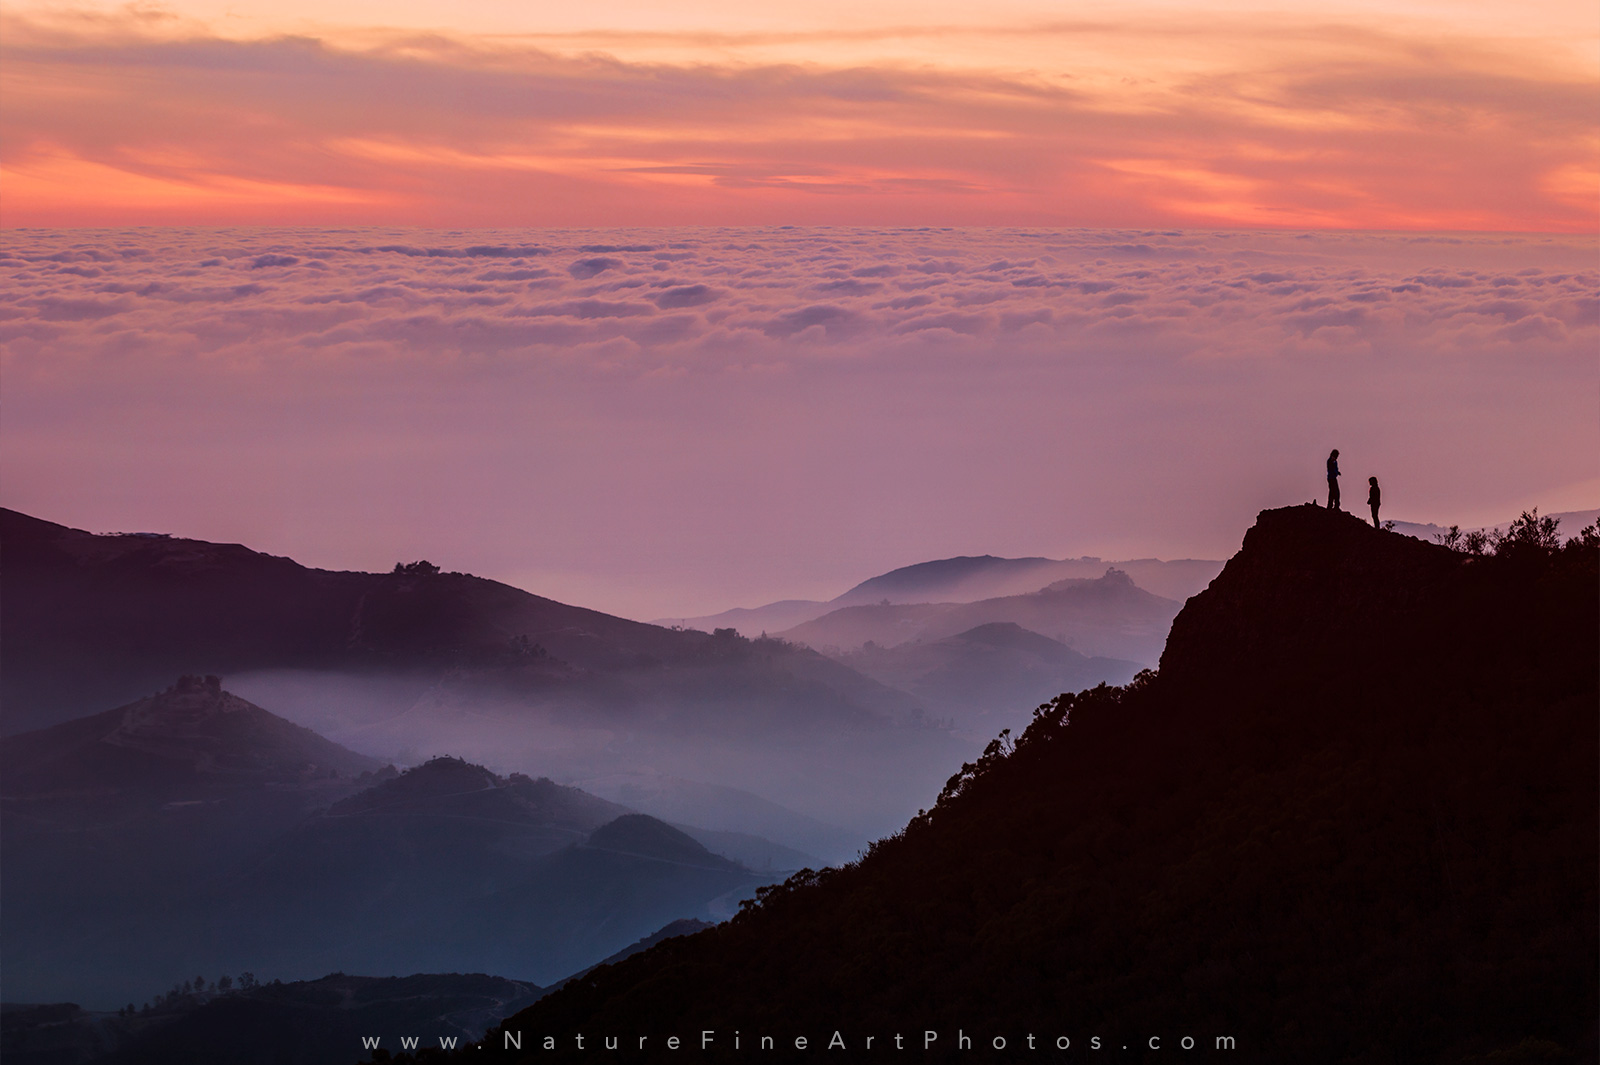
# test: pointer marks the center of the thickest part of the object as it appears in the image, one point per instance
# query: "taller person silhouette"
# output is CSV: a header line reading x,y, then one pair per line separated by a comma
x,y
1333,479
1374,498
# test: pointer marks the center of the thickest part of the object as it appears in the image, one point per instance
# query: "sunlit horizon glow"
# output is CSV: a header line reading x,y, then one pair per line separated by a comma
x,y
1422,116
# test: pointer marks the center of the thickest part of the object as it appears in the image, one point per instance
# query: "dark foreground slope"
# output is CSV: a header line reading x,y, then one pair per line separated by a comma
x,y
1353,819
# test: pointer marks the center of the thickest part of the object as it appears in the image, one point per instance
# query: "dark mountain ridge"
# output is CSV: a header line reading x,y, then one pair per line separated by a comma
x,y
92,619
451,867
454,788
190,736
642,836
223,836
158,789
939,575
1352,819
416,845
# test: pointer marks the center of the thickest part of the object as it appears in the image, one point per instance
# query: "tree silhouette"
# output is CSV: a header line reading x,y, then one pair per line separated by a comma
x,y
1530,532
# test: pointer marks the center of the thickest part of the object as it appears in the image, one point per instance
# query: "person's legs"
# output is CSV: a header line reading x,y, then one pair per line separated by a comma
x,y
1375,524
1333,493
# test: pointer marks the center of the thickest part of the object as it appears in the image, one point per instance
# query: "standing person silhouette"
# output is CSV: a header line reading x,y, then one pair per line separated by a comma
x,y
1374,497
1333,479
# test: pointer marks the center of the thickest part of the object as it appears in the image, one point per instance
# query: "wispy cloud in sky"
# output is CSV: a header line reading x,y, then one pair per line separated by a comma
x,y
121,119
673,421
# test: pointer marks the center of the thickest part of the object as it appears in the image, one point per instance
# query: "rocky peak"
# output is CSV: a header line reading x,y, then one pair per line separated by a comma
x,y
1324,594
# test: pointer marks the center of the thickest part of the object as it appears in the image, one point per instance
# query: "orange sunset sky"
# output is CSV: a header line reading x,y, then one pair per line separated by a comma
x,y
1360,114
666,308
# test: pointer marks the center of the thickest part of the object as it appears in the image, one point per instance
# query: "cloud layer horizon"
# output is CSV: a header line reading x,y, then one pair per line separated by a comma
x,y
676,421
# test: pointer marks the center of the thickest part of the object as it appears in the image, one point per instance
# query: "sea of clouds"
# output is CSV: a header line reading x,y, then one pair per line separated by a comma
x,y
794,408
694,297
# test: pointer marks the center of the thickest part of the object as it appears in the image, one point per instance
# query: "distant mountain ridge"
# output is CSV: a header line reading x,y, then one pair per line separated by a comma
x,y
456,789
1107,617
967,578
962,579
1572,522
990,676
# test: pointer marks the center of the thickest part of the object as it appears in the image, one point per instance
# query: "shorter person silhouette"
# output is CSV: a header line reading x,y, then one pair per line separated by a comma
x,y
1333,479
1374,497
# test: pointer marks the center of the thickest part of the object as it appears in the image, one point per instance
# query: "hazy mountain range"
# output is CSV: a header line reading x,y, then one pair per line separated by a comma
x,y
401,665
193,830
992,674
1106,617
415,662
284,842
963,579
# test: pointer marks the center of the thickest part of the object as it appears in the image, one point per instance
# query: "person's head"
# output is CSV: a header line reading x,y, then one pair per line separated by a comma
x,y
1373,481
1334,453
